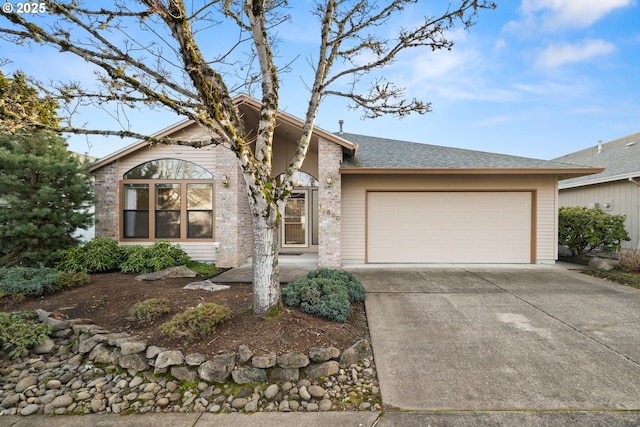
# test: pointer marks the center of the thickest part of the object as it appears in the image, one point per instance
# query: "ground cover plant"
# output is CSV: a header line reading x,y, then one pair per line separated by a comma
x,y
628,271
623,277
20,331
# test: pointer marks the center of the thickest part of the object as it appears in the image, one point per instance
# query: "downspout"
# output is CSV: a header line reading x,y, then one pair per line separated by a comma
x,y
638,184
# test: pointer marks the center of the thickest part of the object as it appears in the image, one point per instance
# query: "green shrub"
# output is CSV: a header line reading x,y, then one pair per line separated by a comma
x,y
67,280
102,254
150,309
134,259
354,288
334,306
584,229
20,331
72,260
196,322
172,253
325,293
29,281
162,254
303,290
98,255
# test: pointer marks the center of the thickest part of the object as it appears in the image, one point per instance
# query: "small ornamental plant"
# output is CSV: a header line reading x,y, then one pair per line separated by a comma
x,y
150,309
198,322
326,293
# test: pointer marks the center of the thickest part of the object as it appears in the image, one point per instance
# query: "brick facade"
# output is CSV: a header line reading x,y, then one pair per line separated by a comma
x,y
233,220
233,226
106,201
329,204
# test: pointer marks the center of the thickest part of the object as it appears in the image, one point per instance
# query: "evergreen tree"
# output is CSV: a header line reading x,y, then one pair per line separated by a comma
x,y
44,194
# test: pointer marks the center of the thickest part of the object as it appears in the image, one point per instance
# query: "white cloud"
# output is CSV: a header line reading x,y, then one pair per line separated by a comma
x,y
554,15
497,120
556,55
500,44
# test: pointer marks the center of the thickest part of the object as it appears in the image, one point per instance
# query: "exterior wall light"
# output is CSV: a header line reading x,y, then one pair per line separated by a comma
x,y
329,181
225,180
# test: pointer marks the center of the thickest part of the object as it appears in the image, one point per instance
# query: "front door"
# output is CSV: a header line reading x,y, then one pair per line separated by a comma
x,y
295,222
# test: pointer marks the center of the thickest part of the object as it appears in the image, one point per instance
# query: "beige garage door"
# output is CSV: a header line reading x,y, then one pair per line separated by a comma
x,y
449,227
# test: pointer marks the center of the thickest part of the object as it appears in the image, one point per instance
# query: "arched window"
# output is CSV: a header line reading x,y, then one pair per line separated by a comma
x,y
300,179
168,169
167,199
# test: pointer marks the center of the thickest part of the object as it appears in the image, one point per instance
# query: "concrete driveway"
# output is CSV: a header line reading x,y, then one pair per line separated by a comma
x,y
504,338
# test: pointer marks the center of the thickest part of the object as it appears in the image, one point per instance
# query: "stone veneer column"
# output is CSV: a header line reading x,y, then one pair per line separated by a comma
x,y
106,202
329,205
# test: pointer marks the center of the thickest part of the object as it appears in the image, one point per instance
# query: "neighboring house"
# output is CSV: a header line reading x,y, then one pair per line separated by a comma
x,y
616,190
357,199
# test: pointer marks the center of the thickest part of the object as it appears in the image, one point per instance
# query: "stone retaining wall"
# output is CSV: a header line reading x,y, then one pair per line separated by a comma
x,y
243,367
86,369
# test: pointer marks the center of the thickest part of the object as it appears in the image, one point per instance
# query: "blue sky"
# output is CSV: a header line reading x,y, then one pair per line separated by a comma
x,y
534,78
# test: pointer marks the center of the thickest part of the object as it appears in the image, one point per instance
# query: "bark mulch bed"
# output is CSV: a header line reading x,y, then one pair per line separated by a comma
x,y
106,301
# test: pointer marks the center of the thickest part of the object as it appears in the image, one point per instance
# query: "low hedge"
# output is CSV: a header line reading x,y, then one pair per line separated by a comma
x,y
103,255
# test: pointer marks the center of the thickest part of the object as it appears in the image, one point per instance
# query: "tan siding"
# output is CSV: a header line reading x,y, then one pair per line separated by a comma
x,y
624,197
354,188
200,156
546,211
282,153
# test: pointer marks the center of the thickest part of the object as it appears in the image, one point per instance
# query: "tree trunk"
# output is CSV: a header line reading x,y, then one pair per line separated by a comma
x,y
266,277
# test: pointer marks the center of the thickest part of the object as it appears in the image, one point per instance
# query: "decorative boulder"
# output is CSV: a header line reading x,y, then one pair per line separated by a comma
x,y
168,273
604,264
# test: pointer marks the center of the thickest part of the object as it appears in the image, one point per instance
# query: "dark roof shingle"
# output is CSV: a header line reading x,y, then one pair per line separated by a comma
x,y
383,153
620,158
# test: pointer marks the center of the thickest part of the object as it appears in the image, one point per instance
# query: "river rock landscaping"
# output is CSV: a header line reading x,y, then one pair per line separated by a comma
x,y
86,369
101,360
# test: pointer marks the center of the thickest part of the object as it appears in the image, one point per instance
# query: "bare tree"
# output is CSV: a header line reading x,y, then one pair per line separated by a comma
x,y
156,54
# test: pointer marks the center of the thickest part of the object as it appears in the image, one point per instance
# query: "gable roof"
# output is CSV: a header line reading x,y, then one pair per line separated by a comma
x,y
393,156
620,159
250,109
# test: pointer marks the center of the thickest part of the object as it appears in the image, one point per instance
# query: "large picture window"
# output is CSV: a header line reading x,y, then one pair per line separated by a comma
x,y
167,199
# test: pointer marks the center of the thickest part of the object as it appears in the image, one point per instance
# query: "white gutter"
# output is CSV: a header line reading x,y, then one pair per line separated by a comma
x,y
601,180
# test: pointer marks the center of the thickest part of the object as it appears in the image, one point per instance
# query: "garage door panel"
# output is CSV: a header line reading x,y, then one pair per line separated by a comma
x,y
463,227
